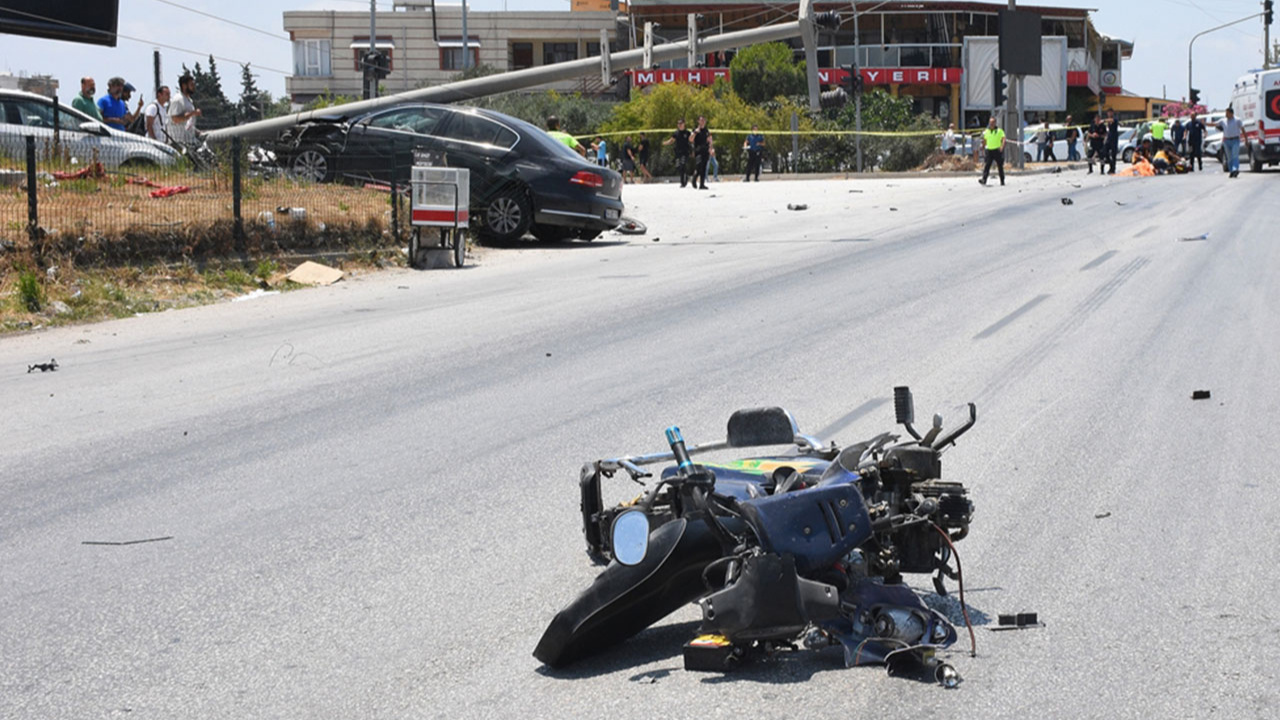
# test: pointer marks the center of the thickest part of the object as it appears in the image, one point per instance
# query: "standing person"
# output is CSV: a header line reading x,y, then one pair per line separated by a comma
x,y
1179,137
132,120
1047,137
701,152
1195,142
949,140
993,139
754,145
84,102
157,115
183,112
1112,147
113,109
1097,141
713,163
628,160
642,157
602,151
1232,132
1073,135
1158,126
683,149
553,129
1039,139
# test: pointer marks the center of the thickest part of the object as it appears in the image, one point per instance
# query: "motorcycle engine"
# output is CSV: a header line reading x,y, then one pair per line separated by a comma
x,y
907,482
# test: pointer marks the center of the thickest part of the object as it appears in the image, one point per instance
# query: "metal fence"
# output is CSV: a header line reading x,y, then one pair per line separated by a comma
x,y
114,201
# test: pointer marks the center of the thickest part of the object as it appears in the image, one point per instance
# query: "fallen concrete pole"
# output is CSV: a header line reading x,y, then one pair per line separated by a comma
x,y
521,79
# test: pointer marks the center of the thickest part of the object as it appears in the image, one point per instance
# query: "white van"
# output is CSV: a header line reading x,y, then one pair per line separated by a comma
x,y
1256,100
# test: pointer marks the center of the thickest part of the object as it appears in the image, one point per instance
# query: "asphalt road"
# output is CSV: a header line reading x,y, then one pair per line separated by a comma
x,y
368,492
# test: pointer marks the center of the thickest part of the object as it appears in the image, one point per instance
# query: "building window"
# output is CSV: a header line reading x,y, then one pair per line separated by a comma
x,y
360,45
311,58
593,48
451,53
559,52
521,55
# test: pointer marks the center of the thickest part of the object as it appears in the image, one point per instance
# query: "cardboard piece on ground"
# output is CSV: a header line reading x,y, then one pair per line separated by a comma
x,y
313,273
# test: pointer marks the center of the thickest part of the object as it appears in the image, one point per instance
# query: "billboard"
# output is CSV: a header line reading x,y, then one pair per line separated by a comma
x,y
1044,92
79,21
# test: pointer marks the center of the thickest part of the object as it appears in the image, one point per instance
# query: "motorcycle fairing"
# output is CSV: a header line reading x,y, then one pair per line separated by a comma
x,y
768,600
623,600
818,526
734,477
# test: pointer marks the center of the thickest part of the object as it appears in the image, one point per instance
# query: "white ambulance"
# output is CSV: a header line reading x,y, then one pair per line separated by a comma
x,y
1256,100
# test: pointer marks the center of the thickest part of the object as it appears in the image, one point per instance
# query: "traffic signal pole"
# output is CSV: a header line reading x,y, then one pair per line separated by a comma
x,y
1013,114
1206,32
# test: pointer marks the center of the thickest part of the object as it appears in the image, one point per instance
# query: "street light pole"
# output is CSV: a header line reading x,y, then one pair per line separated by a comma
x,y
1206,32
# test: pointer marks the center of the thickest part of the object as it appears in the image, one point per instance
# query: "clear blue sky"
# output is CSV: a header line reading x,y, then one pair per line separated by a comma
x,y
1160,30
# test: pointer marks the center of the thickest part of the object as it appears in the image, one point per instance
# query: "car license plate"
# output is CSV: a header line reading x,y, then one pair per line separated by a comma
x,y
610,214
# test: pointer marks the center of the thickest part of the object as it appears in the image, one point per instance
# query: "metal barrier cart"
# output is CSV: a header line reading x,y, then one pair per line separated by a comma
x,y
441,198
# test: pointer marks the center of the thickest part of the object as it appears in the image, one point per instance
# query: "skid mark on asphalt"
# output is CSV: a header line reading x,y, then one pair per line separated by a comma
x,y
1144,231
1025,362
847,419
1004,321
1099,260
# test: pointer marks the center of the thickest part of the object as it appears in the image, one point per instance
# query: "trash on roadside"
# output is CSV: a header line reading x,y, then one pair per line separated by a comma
x,y
170,191
89,171
50,366
631,226
313,273
1068,201
1200,395
294,213
255,294
1101,515
797,206
1194,239
143,182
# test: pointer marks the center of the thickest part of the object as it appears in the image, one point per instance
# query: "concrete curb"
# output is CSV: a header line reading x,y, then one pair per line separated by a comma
x,y
1046,169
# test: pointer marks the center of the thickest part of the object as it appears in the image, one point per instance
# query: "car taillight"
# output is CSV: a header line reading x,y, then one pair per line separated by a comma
x,y
587,178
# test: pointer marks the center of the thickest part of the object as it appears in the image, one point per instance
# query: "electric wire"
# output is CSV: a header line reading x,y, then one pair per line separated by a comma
x,y
141,40
225,20
964,609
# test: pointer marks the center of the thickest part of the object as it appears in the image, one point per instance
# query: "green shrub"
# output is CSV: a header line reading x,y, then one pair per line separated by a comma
x,y
30,291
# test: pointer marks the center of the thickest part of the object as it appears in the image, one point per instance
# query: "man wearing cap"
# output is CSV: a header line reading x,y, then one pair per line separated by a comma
x,y
84,102
113,109
130,118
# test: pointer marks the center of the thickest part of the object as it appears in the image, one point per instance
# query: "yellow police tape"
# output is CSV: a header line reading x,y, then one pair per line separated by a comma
x,y
869,133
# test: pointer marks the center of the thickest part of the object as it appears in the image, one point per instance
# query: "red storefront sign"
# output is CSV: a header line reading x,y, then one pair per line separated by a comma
x,y
826,76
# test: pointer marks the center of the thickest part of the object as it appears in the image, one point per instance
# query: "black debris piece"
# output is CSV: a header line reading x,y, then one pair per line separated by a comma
x,y
1118,203
797,206
126,542
1017,621
1194,239
893,209
1068,201
1199,394
1101,515
50,366
656,239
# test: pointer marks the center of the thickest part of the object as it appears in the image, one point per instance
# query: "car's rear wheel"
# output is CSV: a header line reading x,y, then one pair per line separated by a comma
x,y
312,162
507,216
1128,155
552,233
1255,160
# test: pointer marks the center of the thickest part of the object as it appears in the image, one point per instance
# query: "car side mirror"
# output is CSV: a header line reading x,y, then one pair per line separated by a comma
x,y
630,537
762,426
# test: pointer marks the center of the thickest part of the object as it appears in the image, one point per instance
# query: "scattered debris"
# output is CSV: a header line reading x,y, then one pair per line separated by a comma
x,y
1199,394
855,191
1194,239
1017,621
656,239
126,542
797,206
313,273
90,171
255,294
170,191
893,209
1068,201
143,182
1101,515
402,287
631,226
1118,203
50,366
548,354
1076,185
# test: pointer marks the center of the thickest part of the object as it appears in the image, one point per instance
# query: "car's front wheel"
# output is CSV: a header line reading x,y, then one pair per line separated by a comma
x,y
507,216
312,162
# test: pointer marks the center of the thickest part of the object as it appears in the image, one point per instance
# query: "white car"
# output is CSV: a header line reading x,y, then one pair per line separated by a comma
x,y
82,137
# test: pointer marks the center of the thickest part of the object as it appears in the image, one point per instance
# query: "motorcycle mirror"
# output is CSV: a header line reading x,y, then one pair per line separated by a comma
x,y
630,537
762,426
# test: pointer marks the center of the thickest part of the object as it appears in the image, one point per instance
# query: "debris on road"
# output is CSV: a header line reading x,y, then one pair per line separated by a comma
x,y
1118,203
1101,515
657,239
631,226
313,273
170,191
50,366
255,294
797,206
1068,201
1194,239
893,209
126,542
1017,621
1199,394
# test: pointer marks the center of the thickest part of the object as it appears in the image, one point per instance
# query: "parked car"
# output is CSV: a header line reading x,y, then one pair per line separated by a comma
x,y
83,138
521,178
1058,132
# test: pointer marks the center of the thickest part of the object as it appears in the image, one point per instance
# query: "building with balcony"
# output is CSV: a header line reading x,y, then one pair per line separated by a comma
x,y
914,49
426,51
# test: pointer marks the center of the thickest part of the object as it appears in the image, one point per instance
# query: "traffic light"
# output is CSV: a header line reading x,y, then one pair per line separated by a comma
x,y
827,20
1195,96
854,87
999,84
1267,14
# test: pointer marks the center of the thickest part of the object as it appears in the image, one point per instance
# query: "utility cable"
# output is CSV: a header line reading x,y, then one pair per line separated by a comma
x,y
225,20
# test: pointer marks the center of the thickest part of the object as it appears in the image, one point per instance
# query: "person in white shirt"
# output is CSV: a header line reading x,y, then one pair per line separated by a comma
x,y
183,112
949,140
1232,133
157,115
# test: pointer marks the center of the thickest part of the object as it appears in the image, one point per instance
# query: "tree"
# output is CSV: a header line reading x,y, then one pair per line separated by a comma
x,y
253,102
761,73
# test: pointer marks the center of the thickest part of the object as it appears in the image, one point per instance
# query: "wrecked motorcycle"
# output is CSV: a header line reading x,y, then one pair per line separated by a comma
x,y
805,548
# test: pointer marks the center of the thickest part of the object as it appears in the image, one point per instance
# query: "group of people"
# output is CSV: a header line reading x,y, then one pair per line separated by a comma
x,y
167,119
695,153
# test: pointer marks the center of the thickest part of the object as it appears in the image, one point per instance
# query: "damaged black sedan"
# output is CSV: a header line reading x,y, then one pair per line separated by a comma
x,y
522,180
